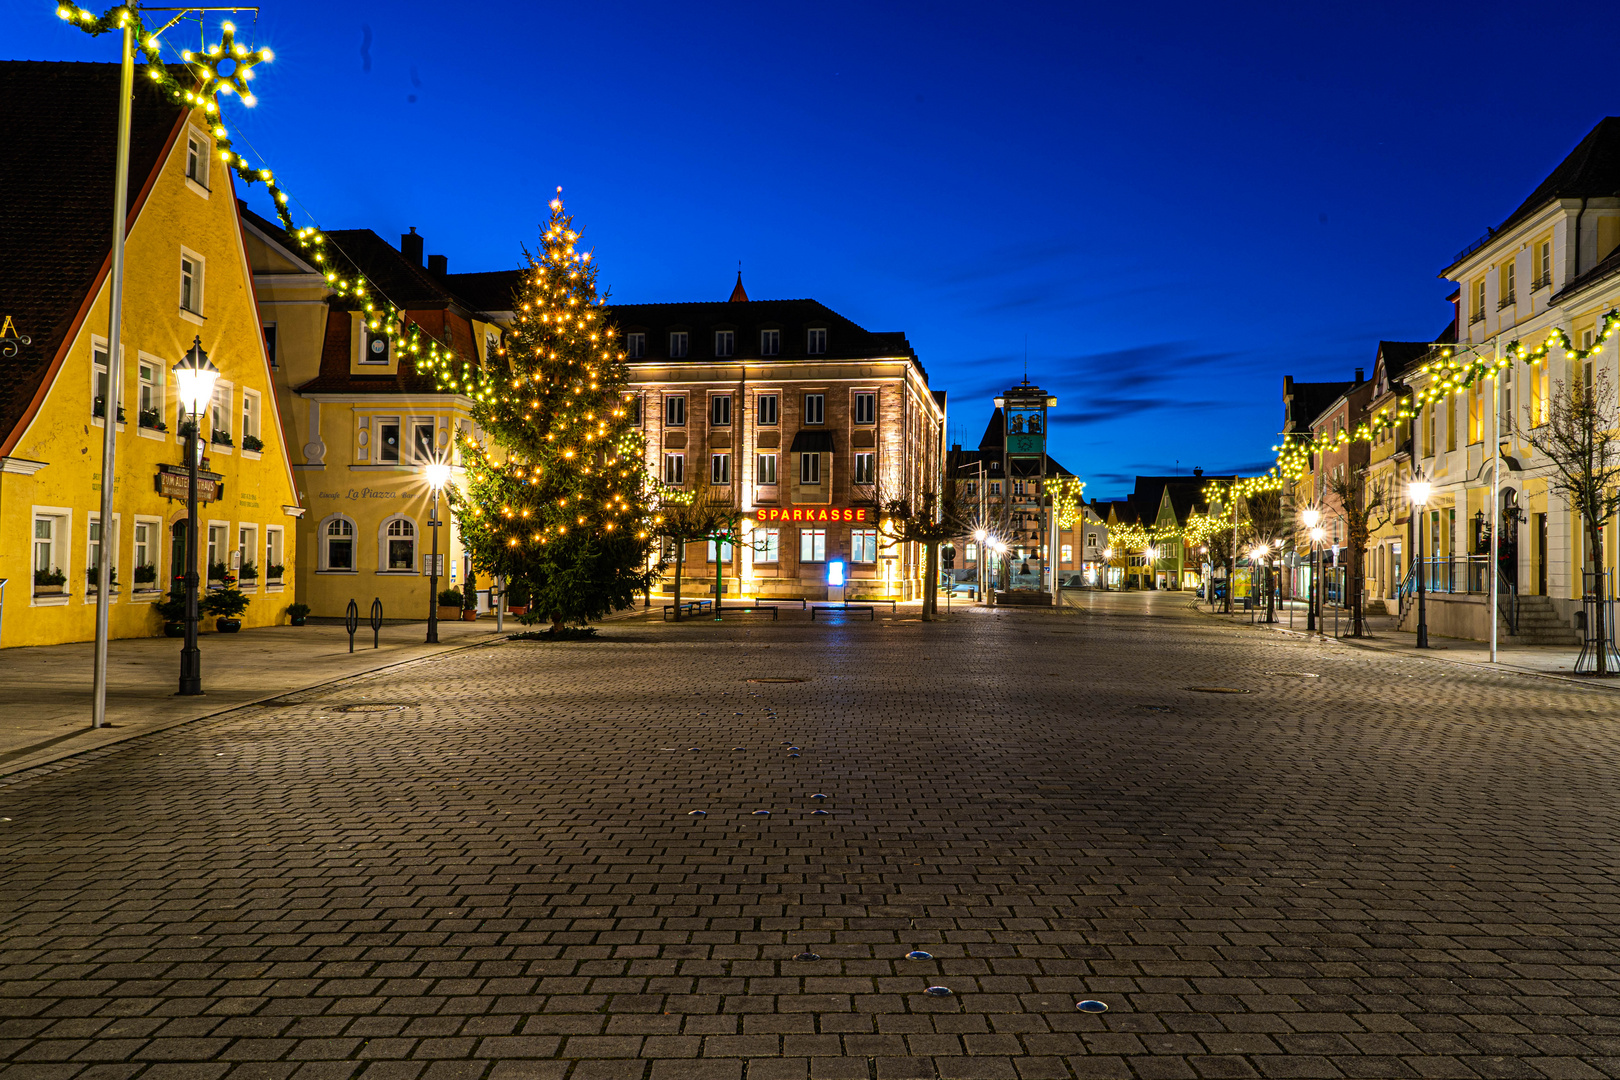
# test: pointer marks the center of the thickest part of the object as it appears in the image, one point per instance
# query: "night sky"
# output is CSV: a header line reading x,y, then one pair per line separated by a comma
x,y
1169,206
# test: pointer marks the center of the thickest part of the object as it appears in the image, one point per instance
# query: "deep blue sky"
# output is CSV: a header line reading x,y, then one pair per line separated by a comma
x,y
1173,204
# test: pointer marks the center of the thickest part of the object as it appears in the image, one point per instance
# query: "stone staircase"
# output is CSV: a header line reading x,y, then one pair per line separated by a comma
x,y
1539,624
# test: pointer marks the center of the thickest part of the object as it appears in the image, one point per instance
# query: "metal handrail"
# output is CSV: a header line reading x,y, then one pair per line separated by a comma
x,y
1507,602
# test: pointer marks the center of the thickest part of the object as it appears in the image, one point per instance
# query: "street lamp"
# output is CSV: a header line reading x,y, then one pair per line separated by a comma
x,y
437,474
194,375
1108,565
1262,553
1312,518
1317,536
1152,556
981,557
1419,491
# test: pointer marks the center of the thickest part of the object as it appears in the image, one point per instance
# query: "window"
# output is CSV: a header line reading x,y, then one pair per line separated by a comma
x,y
1504,419
971,487
1067,553
47,534
1451,423
492,346
766,473
1544,262
401,540
146,552
1504,285
1018,487
972,552
250,419
273,567
99,379
422,441
635,346
1477,292
217,545
149,394
1476,413
675,469
247,549
375,349
995,487
675,412
92,557
725,342
197,159
809,468
770,342
387,437
1538,394
720,411
767,545
866,408
191,284
677,344
767,410
339,544
812,545
634,404
270,343
720,469
863,545
219,414
865,468
815,408
725,552
816,343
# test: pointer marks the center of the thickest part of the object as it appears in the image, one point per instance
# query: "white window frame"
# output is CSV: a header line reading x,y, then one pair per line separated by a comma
x,y
61,557
762,470
324,547
810,468
419,456
674,410
154,552
815,341
251,419
725,343
761,408
720,469
274,554
635,346
248,553
867,475
222,406
815,410
972,551
1066,553
199,285
770,343
869,399
863,542
719,403
158,385
676,476
221,529
726,552
812,545
375,439
679,344
99,371
199,158
270,341
767,545
93,521
385,562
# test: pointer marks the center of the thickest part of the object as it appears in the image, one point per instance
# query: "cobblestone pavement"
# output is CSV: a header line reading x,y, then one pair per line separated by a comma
x,y
1362,865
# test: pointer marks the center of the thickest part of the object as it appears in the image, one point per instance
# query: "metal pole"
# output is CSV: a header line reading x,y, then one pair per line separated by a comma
x,y
500,601
1233,572
190,655
1422,572
433,575
1496,500
1310,593
109,410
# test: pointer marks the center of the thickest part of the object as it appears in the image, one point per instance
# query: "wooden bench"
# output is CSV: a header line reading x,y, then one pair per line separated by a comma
x,y
875,600
688,607
871,612
750,607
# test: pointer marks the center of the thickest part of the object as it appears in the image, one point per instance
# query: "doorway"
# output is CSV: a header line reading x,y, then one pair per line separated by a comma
x,y
178,567
1541,554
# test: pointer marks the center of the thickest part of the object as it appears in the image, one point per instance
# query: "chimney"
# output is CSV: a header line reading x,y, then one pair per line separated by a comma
x,y
438,265
1360,376
410,246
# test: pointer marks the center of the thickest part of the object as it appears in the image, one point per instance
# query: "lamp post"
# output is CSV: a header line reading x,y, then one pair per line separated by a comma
x,y
194,375
1318,534
1108,564
1152,556
982,556
1260,552
437,474
1419,492
1312,518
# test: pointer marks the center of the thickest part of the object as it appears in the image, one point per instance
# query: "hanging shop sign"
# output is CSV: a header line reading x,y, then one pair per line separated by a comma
x,y
173,482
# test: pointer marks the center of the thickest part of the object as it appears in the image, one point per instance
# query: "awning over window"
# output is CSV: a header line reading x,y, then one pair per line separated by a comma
x,y
812,442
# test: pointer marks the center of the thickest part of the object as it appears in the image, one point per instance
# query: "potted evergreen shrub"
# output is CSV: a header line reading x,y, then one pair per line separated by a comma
x,y
449,604
297,613
47,582
517,597
227,605
173,610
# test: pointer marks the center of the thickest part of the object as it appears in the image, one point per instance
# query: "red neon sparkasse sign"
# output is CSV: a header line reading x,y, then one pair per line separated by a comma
x,y
813,513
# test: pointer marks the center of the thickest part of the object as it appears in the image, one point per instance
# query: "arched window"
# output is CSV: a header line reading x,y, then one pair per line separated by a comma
x,y
399,544
337,544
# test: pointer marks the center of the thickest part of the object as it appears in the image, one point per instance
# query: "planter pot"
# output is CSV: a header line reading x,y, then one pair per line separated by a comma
x,y
449,614
296,620
469,614
49,590
174,629
227,626
518,609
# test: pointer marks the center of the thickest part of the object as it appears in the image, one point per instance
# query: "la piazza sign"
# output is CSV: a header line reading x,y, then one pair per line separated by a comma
x,y
813,513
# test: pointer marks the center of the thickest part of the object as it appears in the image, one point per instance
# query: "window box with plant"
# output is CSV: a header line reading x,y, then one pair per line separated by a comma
x,y
297,613
449,604
252,443
146,578
249,572
92,575
186,430
221,573
49,582
221,437
152,420
99,410
226,605
273,572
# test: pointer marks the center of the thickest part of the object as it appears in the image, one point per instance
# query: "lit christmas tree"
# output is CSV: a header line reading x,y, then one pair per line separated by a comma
x,y
558,501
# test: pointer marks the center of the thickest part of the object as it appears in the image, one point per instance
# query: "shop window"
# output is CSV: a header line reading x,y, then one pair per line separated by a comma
x,y
400,539
767,545
725,552
338,544
812,545
863,545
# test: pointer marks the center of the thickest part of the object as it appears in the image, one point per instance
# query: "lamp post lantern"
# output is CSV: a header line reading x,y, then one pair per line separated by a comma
x,y
1312,518
1419,491
437,475
194,375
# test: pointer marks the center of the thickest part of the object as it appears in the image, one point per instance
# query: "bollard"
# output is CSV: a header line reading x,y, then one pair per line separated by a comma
x,y
351,622
376,621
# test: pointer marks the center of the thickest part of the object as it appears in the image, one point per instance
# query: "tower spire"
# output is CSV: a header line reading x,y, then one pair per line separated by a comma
x,y
739,295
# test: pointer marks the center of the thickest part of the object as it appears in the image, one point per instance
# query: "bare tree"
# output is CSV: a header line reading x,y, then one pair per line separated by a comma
x,y
1580,439
1365,512
1262,522
919,517
686,517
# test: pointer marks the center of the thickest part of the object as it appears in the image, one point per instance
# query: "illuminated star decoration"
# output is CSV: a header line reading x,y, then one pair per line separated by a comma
x,y
212,82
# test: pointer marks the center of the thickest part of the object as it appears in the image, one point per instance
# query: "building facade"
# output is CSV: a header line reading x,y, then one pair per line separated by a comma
x,y
186,282
804,421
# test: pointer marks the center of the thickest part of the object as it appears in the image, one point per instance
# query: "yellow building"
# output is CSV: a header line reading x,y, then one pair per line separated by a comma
x,y
186,278
362,423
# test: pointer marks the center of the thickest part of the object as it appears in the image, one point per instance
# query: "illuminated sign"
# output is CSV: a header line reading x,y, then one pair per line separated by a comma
x,y
813,513
835,572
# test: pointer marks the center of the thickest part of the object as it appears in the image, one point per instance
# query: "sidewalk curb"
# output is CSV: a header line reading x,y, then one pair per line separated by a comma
x,y
10,775
1413,654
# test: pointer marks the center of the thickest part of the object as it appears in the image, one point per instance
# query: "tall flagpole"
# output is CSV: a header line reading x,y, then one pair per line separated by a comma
x,y
109,409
